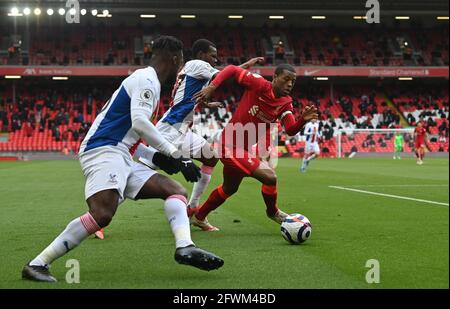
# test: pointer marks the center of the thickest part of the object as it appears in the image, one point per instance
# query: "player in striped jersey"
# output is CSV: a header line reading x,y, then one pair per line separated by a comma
x,y
111,174
312,149
176,123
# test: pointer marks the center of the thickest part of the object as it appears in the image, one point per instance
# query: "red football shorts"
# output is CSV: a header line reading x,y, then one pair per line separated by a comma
x,y
419,143
239,163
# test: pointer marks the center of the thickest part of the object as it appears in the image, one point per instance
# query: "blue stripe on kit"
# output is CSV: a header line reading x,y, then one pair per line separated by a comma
x,y
115,125
179,111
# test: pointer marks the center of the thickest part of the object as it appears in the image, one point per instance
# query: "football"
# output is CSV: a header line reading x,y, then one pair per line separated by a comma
x,y
296,229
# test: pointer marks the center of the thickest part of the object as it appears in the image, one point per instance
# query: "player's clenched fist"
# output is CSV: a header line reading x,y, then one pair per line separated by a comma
x,y
309,112
165,163
190,171
176,163
252,62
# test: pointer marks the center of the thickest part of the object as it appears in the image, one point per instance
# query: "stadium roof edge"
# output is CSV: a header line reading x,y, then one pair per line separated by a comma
x,y
249,6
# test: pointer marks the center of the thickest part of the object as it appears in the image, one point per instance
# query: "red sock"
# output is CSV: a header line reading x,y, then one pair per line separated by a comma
x,y
215,199
422,155
269,194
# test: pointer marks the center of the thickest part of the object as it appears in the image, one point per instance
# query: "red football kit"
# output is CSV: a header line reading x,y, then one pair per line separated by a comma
x,y
420,136
258,107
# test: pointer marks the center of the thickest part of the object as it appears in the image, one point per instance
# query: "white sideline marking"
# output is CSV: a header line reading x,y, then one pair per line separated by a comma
x,y
389,195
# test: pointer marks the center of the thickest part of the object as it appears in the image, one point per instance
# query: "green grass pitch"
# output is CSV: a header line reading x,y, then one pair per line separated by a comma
x,y
409,238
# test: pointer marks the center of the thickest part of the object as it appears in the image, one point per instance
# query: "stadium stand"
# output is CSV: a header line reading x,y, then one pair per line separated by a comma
x,y
57,120
124,45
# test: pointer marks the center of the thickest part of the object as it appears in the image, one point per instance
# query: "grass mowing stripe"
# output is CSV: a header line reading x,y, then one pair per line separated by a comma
x,y
389,195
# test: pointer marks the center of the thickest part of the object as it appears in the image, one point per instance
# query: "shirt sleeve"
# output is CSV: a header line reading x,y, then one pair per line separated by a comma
x,y
288,109
203,70
143,96
291,125
144,99
242,77
251,80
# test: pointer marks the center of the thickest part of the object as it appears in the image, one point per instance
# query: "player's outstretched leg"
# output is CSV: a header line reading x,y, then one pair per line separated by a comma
x,y
304,164
159,186
269,194
37,273
422,154
215,199
418,155
230,186
266,175
306,160
204,224
191,255
208,158
200,187
312,157
102,207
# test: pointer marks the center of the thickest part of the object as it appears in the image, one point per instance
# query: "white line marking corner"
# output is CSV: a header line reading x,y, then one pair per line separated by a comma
x,y
389,195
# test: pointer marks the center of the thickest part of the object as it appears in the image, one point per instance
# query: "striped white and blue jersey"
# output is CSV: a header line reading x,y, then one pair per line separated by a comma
x,y
195,75
138,93
312,132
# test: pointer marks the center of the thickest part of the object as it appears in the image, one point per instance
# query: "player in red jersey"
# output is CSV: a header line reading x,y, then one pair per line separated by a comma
x,y
262,104
420,135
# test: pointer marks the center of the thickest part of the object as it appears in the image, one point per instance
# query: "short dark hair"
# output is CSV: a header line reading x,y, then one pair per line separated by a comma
x,y
201,45
168,44
284,66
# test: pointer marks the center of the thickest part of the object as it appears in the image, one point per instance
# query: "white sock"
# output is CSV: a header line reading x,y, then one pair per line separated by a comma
x,y
200,186
175,209
305,160
76,231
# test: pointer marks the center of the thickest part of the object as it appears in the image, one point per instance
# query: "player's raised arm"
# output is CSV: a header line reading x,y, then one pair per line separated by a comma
x,y
240,75
291,125
244,66
205,94
252,62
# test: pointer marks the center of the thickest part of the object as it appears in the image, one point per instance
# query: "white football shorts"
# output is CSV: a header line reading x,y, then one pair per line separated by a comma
x,y
312,147
110,168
